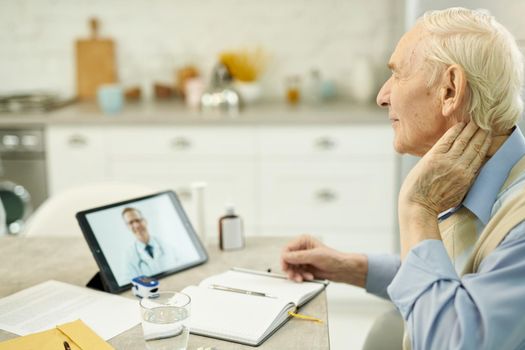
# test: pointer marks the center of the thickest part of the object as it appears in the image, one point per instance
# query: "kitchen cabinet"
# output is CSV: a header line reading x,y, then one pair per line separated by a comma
x,y
175,157
333,181
162,158
327,180
75,155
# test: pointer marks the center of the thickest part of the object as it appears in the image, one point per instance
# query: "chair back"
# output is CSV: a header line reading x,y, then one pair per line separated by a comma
x,y
56,216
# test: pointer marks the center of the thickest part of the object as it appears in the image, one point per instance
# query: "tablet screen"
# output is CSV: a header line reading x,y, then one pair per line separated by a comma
x,y
148,236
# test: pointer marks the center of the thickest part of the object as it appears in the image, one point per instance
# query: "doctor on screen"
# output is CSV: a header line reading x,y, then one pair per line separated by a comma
x,y
147,255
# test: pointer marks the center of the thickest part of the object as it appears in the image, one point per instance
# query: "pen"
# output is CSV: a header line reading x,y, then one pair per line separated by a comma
x,y
242,291
276,275
66,346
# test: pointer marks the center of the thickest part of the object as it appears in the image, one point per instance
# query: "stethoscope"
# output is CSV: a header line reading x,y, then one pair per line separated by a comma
x,y
142,261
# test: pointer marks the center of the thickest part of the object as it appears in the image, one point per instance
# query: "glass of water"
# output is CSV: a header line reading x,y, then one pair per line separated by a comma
x,y
166,321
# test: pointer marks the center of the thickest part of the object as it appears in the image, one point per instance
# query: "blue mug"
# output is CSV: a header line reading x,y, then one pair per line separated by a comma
x,y
110,98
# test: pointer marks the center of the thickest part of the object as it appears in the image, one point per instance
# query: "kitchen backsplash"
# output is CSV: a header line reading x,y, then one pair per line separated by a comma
x,y
154,37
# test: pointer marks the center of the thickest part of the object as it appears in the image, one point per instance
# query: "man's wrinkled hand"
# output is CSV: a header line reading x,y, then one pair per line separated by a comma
x,y
443,176
306,258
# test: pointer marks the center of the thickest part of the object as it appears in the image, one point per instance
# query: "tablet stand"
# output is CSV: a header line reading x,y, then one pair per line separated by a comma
x,y
96,282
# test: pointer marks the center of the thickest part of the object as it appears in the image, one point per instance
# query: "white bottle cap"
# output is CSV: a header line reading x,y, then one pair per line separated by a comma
x,y
230,209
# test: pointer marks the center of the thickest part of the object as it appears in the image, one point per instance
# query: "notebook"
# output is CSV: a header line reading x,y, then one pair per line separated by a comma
x,y
246,306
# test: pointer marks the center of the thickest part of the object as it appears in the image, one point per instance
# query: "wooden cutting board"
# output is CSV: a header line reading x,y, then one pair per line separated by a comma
x,y
95,60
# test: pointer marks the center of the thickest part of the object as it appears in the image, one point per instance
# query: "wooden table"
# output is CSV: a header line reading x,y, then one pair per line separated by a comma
x,y
28,261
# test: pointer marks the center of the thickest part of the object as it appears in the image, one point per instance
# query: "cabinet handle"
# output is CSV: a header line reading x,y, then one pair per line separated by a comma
x,y
325,143
77,141
184,193
180,143
326,195
10,141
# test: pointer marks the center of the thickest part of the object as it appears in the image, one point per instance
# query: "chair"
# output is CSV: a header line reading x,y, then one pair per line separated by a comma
x,y
386,332
56,216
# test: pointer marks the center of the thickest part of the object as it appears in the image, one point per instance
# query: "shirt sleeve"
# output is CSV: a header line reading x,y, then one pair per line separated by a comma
x,y
381,271
483,310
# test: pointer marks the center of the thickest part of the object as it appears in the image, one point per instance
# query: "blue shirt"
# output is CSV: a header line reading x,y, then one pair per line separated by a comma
x,y
442,310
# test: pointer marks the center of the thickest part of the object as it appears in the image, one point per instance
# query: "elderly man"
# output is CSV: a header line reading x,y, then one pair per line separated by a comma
x,y
454,99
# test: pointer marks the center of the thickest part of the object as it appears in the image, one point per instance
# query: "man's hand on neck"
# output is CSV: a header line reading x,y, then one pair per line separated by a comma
x,y
439,181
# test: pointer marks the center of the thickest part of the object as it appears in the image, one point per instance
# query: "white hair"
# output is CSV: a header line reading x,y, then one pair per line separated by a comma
x,y
488,54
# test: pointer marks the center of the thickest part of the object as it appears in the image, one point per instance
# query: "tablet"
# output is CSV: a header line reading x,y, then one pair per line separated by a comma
x,y
150,236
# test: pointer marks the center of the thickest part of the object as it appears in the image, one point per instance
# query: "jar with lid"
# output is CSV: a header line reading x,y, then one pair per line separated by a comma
x,y
231,235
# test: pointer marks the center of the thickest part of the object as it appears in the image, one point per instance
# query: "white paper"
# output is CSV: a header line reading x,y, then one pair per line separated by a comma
x,y
51,303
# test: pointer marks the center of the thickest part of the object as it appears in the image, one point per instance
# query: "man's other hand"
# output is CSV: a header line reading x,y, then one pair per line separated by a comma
x,y
306,258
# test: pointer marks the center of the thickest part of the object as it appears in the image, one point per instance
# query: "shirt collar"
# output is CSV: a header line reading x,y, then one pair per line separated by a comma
x,y
142,245
482,194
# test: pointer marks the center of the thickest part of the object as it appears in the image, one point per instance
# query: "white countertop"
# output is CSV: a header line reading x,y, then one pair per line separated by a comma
x,y
178,113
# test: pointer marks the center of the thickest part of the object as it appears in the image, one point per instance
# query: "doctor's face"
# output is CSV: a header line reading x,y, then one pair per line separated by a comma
x,y
137,224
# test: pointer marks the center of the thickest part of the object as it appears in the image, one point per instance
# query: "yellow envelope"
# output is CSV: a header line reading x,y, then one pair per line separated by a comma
x,y
76,333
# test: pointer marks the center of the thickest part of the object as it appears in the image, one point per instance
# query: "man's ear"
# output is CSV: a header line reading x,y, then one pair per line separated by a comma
x,y
453,91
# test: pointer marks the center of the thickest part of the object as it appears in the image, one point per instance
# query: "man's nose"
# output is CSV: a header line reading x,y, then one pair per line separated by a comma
x,y
383,96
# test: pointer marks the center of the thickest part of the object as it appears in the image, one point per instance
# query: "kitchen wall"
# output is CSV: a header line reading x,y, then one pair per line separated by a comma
x,y
156,36
504,10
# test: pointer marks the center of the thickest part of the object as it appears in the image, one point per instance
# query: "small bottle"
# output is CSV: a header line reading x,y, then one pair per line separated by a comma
x,y
231,234
293,89
314,87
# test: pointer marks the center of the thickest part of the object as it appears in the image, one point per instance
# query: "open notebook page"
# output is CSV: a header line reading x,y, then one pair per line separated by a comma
x,y
298,293
234,316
